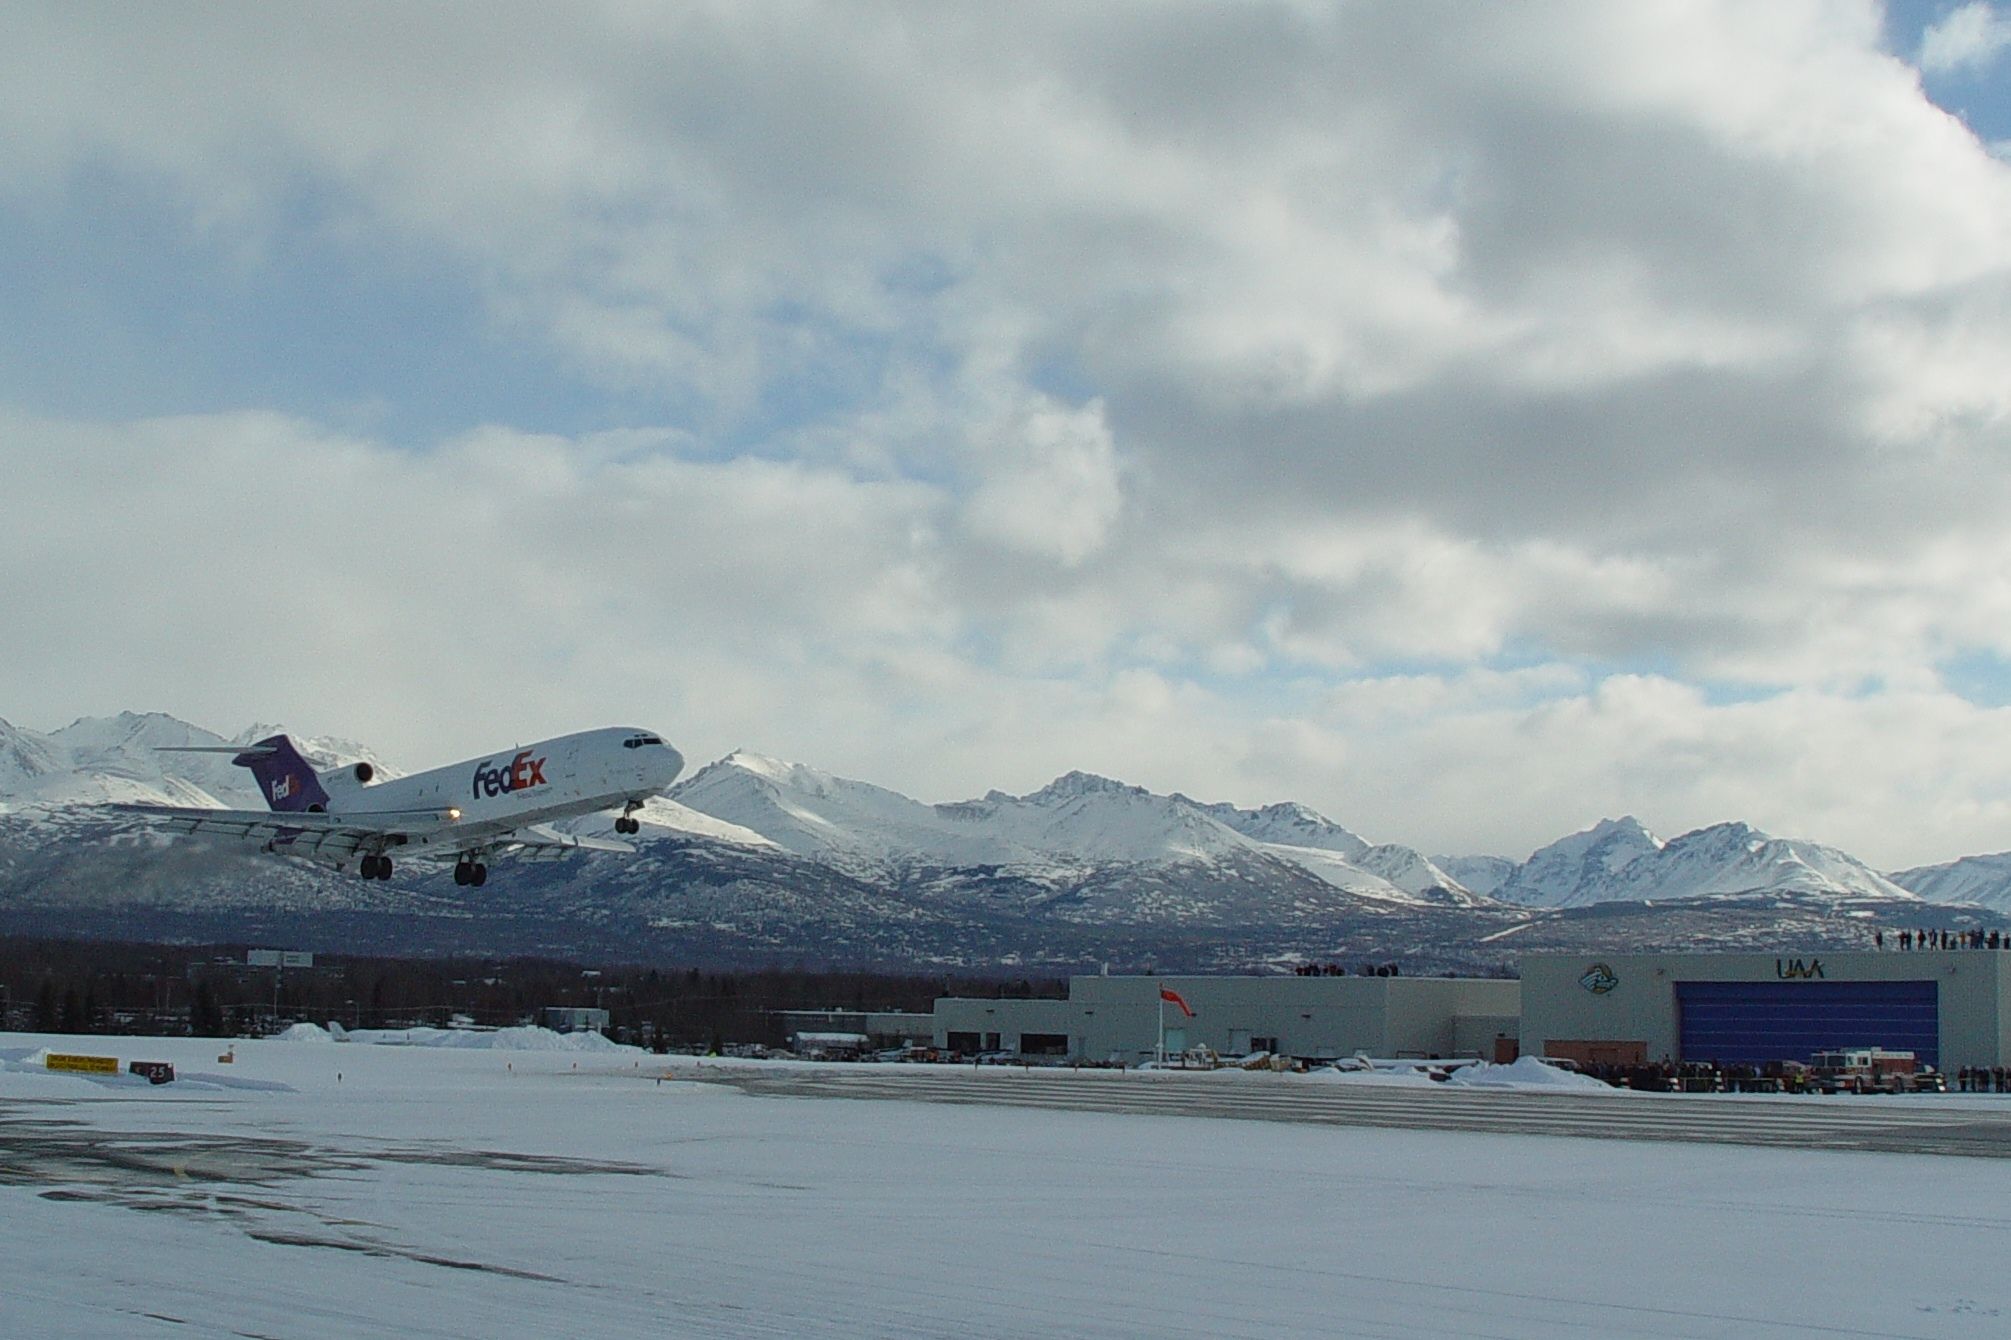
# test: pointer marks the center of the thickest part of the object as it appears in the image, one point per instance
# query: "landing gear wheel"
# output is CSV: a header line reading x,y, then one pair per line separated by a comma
x,y
478,875
384,867
627,825
461,872
367,868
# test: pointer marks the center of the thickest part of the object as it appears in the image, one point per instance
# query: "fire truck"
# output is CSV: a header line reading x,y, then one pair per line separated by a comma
x,y
1872,1070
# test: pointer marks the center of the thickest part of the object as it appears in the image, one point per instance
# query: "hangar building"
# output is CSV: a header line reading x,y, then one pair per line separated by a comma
x,y
1117,1018
1948,1007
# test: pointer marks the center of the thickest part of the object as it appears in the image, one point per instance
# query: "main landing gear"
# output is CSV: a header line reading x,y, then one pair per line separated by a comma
x,y
472,874
375,867
628,823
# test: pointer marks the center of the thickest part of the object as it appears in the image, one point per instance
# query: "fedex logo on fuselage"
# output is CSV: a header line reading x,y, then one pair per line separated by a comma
x,y
522,773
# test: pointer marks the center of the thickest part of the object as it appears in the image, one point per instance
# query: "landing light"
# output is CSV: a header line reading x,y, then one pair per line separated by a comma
x,y
453,814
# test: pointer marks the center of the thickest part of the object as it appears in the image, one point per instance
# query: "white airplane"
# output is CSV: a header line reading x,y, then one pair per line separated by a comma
x,y
347,818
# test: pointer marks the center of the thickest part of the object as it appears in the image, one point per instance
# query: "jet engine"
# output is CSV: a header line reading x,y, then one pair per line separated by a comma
x,y
348,777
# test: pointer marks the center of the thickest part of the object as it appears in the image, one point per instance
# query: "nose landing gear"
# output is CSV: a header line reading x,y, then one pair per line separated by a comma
x,y
628,823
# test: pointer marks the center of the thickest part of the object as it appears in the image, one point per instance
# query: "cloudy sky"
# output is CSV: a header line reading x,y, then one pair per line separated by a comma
x,y
1469,420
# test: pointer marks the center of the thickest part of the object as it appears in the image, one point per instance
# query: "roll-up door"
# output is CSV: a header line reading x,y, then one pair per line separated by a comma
x,y
1748,1022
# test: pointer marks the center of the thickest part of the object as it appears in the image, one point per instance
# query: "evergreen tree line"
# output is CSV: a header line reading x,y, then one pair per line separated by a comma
x,y
58,986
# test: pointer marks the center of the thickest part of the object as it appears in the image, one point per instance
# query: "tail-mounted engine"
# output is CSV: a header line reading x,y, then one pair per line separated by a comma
x,y
348,777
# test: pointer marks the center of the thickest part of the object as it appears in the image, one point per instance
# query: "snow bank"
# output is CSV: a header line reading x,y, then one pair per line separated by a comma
x,y
1526,1073
1393,1079
305,1033
189,1079
527,1039
22,1062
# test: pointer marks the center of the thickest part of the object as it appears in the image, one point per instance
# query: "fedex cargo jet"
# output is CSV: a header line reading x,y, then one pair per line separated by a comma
x,y
349,818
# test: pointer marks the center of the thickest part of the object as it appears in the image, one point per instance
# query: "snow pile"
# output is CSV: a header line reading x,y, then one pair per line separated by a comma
x,y
20,1061
525,1039
1526,1073
305,1033
1407,1078
208,1079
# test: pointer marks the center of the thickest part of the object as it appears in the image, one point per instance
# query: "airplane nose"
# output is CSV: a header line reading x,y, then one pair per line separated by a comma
x,y
672,765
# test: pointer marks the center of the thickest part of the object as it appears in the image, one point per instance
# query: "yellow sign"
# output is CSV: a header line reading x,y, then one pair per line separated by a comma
x,y
90,1065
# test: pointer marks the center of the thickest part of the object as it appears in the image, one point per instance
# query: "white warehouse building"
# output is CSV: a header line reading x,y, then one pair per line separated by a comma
x,y
1118,1018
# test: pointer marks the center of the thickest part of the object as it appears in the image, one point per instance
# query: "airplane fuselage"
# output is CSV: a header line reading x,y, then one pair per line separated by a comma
x,y
559,778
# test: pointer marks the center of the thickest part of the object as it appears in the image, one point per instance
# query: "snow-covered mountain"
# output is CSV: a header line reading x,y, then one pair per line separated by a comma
x,y
99,759
752,858
95,760
809,813
1617,860
1287,825
1581,868
1410,870
1981,880
1736,858
1077,825
1482,874
1076,820
1079,829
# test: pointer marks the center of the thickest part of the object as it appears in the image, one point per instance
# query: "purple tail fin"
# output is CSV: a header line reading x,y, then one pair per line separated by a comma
x,y
286,778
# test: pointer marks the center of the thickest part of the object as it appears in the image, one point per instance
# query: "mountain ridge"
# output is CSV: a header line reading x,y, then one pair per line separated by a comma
x,y
752,855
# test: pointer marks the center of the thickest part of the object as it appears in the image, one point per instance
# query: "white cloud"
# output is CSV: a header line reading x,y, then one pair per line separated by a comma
x,y
1049,482
1039,387
1464,765
1968,38
243,565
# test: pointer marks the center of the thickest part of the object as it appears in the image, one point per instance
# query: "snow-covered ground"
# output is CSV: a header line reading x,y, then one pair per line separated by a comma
x,y
319,1189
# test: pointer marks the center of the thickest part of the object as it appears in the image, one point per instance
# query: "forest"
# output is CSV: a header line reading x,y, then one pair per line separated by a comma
x,y
63,986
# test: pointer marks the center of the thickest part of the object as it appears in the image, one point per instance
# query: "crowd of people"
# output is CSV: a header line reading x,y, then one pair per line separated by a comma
x,y
1775,1077
1926,939
1983,1079
1341,970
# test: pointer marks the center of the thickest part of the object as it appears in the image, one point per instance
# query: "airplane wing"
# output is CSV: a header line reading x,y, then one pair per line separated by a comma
x,y
322,836
540,843
337,837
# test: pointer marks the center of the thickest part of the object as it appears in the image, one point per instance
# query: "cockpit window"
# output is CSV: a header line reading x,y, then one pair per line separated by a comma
x,y
638,741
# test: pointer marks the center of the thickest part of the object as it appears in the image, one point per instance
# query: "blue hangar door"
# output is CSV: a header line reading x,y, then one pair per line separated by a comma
x,y
1747,1022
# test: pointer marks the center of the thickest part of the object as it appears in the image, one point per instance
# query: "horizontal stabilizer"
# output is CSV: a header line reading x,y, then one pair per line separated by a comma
x,y
252,750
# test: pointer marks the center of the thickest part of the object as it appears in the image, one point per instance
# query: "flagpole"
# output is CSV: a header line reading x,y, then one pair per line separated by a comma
x,y
1162,1023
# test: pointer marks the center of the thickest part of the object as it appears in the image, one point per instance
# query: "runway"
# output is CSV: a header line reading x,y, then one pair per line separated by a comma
x,y
1827,1123
440,1192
